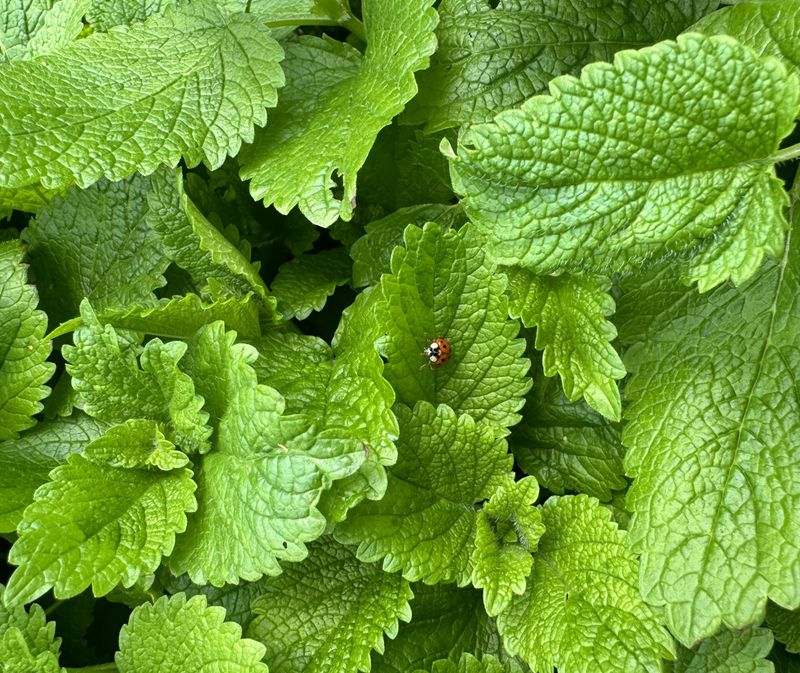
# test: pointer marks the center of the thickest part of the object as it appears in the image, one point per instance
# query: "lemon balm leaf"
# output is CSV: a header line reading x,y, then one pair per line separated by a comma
x,y
333,106
190,84
532,182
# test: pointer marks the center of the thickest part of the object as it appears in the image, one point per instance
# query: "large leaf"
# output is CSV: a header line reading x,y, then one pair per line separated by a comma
x,y
493,55
334,104
555,186
582,611
326,614
23,351
192,83
712,442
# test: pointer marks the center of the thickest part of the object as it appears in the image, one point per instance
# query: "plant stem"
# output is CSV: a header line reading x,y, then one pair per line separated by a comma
x,y
53,607
786,154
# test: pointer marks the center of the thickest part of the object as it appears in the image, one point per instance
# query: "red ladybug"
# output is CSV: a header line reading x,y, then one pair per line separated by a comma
x,y
438,352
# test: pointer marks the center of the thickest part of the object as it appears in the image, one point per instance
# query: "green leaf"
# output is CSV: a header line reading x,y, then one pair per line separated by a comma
x,y
533,183
470,664
137,443
508,530
27,632
26,462
30,28
446,623
334,104
95,244
192,84
24,368
304,284
97,524
582,611
443,286
28,199
566,445
770,27
174,635
259,487
372,252
425,524
728,652
326,614
493,55
114,387
569,314
784,661
786,625
105,14
713,434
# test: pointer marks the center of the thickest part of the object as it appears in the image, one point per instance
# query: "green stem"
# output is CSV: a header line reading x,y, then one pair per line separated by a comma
x,y
786,154
110,667
53,607
332,13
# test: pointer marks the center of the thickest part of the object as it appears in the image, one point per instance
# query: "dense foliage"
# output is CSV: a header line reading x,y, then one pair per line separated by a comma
x,y
231,228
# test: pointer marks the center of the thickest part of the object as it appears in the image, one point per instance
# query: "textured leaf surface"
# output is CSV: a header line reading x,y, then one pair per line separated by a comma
x,y
97,524
446,622
105,14
326,614
114,386
25,462
192,84
533,183
728,652
27,643
569,314
786,625
443,286
566,445
28,199
334,104
768,26
304,284
259,487
508,530
23,351
582,611
494,55
469,664
95,244
33,27
174,635
712,441
134,444
425,524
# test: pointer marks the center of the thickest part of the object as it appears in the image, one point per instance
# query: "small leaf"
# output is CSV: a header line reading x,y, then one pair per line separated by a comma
x,y
174,635
334,104
137,443
32,632
582,611
191,83
24,368
442,285
569,314
470,664
786,625
728,652
533,183
326,614
425,524
304,284
508,530
99,525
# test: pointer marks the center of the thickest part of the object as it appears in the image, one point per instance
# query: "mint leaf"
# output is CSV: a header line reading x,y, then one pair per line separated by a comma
x,y
442,285
26,462
446,622
259,487
508,530
28,199
770,27
24,368
174,635
95,244
425,524
581,610
33,27
532,182
36,633
728,652
711,437
192,83
134,444
304,284
470,664
114,387
327,613
786,625
334,104
105,14
494,55
97,524
572,332
566,445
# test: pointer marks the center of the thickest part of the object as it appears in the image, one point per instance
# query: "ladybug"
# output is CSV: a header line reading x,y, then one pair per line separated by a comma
x,y
438,352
